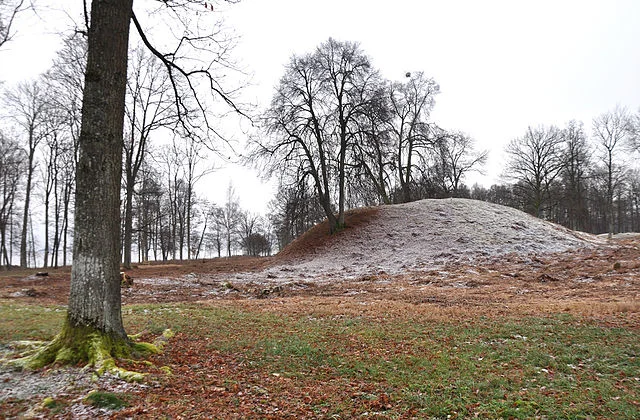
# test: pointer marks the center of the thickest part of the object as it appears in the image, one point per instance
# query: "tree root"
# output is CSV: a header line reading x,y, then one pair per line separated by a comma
x,y
97,350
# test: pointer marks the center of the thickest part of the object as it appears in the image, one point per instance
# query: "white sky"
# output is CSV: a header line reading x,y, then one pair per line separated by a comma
x,y
501,65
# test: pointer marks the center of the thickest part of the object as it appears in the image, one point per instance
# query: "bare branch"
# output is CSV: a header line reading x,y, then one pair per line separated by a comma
x,y
9,10
185,81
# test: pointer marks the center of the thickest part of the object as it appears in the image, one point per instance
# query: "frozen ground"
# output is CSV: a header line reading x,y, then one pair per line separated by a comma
x,y
428,238
428,234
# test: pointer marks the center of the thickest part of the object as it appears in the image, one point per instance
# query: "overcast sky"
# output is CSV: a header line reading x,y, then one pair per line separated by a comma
x,y
501,65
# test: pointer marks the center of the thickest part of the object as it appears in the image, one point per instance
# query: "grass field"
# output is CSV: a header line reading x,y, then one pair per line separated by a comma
x,y
317,357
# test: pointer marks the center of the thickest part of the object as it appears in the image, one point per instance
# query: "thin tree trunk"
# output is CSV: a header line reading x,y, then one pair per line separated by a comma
x,y
65,223
188,216
128,221
27,200
32,241
46,231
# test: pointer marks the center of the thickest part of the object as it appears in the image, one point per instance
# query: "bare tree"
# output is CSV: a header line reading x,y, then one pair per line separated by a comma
x,y
256,244
373,153
11,173
27,106
67,183
248,225
611,130
575,172
53,151
534,163
229,217
192,172
216,230
173,221
410,107
456,157
149,211
293,211
64,83
312,121
149,107
199,223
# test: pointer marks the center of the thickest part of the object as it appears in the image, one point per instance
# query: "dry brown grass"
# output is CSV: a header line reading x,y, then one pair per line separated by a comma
x,y
320,236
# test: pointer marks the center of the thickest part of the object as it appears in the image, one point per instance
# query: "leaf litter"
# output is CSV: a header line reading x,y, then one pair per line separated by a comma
x,y
449,258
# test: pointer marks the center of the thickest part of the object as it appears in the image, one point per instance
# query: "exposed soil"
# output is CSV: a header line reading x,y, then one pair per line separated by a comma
x,y
432,254
448,252
579,278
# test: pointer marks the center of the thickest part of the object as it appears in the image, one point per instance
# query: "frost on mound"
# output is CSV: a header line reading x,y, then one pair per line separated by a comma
x,y
421,236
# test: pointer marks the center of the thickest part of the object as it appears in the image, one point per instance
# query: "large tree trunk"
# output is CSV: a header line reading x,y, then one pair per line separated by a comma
x,y
95,299
93,332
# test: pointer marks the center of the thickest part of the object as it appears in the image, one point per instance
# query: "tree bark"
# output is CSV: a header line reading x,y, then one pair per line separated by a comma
x,y
27,200
128,217
95,299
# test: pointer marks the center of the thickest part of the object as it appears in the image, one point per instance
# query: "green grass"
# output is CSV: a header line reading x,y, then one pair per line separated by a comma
x,y
556,366
29,322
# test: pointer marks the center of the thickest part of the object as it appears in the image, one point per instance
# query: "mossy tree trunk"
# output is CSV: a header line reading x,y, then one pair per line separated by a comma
x,y
93,332
95,300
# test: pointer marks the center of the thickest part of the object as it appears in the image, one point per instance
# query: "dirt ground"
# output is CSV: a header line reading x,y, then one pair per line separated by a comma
x,y
600,283
602,280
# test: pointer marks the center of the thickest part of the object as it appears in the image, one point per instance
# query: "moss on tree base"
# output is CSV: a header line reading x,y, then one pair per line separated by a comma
x,y
89,346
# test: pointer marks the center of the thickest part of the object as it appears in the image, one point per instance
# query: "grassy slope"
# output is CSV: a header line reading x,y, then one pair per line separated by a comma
x,y
324,357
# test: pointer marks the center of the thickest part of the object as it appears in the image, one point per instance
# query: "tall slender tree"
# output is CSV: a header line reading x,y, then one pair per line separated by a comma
x,y
11,173
410,105
611,130
230,218
28,104
574,174
150,107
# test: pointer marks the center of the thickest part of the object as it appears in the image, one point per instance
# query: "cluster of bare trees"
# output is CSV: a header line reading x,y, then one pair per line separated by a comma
x,y
233,228
585,180
339,134
170,221
41,125
163,158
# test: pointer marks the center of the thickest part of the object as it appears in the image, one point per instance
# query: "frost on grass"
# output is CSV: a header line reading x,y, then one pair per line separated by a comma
x,y
429,234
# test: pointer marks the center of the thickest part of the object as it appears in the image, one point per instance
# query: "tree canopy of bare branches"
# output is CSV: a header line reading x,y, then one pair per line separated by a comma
x,y
312,122
534,162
